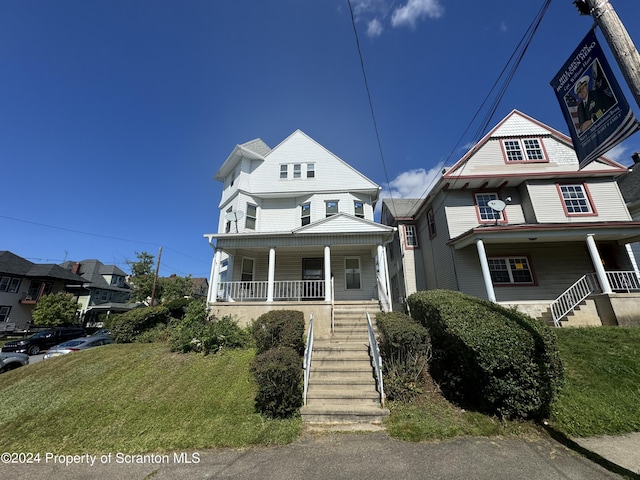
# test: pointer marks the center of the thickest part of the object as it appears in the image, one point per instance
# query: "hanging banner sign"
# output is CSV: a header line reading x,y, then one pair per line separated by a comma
x,y
598,116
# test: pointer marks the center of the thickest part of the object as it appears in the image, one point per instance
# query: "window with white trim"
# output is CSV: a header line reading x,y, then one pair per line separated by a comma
x,y
297,170
250,219
523,150
352,273
4,313
410,235
358,208
284,171
510,270
305,214
9,284
311,170
575,199
227,226
485,212
331,207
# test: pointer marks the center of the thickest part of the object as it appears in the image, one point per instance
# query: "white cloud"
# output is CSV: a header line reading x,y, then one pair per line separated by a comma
x,y
375,12
415,10
374,28
410,184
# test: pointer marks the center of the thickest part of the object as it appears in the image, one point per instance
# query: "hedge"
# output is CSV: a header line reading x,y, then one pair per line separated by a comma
x,y
279,328
496,360
278,373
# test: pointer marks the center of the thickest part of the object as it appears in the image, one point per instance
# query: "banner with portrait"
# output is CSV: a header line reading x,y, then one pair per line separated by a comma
x,y
592,102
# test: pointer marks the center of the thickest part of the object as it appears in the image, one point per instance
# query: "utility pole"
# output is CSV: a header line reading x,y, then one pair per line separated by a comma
x,y
618,39
155,277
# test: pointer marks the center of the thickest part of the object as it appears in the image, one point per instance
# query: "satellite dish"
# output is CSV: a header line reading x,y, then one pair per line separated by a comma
x,y
234,216
497,205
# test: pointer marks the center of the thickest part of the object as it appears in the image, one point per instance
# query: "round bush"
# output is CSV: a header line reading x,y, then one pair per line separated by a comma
x,y
278,373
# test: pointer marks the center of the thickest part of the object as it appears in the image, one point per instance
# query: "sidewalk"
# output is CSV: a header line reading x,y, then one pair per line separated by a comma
x,y
622,450
351,456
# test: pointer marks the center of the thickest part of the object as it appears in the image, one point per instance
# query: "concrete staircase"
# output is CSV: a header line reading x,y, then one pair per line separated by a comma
x,y
342,385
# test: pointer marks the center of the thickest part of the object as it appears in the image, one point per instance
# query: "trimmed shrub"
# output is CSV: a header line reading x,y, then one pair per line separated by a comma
x,y
279,328
405,347
278,373
126,327
178,307
487,357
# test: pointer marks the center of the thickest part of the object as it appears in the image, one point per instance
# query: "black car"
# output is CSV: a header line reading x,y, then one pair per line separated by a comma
x,y
43,340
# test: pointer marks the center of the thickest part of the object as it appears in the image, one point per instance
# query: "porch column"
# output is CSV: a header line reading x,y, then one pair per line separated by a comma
x,y
214,279
327,274
632,257
597,262
486,275
272,274
383,270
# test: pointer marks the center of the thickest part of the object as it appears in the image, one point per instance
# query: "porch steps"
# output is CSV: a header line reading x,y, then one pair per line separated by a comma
x,y
584,314
342,387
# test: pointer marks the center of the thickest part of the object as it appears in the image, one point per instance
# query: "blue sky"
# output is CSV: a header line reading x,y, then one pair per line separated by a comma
x,y
116,114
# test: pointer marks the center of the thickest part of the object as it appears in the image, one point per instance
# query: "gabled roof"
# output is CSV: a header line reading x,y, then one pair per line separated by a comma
x,y
401,208
343,223
254,149
12,264
92,271
630,185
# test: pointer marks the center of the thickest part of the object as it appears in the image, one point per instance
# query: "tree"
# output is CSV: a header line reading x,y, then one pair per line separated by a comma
x,y
55,309
142,276
176,287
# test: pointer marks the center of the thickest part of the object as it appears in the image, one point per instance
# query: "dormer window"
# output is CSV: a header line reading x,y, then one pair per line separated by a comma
x,y
331,207
358,208
518,150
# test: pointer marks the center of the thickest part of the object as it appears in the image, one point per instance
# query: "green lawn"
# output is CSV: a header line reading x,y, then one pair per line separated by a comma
x,y
602,381
135,398
142,398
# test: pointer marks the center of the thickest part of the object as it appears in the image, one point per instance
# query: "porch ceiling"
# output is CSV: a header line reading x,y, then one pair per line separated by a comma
x,y
621,232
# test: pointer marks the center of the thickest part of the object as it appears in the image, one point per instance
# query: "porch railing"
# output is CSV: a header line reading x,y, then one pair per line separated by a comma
x,y
308,351
292,290
377,359
620,281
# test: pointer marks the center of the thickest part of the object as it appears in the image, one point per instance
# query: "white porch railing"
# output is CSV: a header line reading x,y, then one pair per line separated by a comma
x,y
623,281
308,351
377,359
292,290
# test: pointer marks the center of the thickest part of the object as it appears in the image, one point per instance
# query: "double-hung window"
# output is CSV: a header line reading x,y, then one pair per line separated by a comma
x,y
284,171
431,222
523,150
485,212
4,314
510,270
311,170
575,199
297,170
9,284
358,208
331,207
252,214
410,236
305,214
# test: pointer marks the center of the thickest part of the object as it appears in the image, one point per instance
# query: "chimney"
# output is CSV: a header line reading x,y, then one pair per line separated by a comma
x,y
76,268
636,157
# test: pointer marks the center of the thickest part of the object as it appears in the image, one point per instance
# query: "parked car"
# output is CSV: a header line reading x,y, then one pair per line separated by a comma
x,y
42,340
102,331
9,361
78,344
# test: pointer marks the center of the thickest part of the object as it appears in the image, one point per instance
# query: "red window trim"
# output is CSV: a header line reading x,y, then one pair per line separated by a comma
x,y
524,150
481,220
594,211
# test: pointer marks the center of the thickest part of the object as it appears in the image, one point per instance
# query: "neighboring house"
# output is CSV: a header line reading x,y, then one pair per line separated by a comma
x,y
22,285
103,290
630,187
296,230
552,227
199,286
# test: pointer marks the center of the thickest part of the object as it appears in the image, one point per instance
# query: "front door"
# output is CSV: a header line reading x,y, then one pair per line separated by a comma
x,y
312,269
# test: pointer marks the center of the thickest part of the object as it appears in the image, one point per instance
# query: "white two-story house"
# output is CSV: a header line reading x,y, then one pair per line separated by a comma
x,y
296,231
515,221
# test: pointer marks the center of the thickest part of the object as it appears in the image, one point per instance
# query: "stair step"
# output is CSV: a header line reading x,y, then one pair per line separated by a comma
x,y
346,414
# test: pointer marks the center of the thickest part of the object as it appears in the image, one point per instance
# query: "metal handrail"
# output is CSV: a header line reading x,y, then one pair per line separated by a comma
x,y
308,351
377,359
624,281
572,296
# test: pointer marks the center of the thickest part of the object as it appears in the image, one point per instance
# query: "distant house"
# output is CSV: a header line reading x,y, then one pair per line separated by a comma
x,y
23,283
103,290
296,230
630,187
516,222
